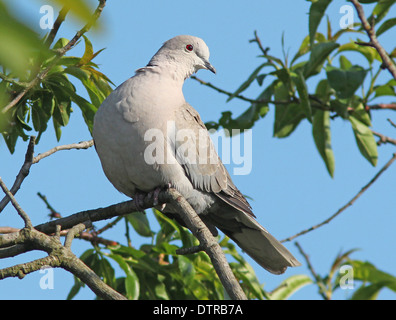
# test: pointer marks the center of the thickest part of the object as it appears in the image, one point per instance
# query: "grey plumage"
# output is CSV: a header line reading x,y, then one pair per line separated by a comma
x,y
146,119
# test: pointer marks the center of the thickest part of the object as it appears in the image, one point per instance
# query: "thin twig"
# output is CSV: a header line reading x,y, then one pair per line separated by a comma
x,y
22,214
59,20
260,45
386,60
241,97
73,232
54,213
383,139
318,103
383,106
23,173
351,202
191,250
80,145
317,278
87,236
391,122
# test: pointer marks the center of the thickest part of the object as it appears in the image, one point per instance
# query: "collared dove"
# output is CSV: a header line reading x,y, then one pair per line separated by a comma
x,y
147,137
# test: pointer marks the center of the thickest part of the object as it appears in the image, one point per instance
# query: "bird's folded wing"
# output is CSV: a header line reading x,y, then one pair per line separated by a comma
x,y
196,154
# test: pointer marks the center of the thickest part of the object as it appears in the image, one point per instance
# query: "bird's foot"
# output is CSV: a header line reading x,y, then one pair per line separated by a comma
x,y
155,194
139,200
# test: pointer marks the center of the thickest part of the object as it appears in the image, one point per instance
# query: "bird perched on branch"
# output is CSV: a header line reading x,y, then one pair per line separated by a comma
x,y
148,137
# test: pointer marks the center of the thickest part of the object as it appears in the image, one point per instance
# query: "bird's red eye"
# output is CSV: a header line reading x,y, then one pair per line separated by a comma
x,y
189,47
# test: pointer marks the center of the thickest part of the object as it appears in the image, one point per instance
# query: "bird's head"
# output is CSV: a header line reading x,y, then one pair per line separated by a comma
x,y
188,53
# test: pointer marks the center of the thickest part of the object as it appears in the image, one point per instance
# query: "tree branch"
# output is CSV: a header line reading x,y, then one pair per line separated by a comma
x,y
318,105
22,214
208,243
59,54
59,20
317,278
241,97
383,139
386,60
59,256
191,219
351,202
80,145
23,173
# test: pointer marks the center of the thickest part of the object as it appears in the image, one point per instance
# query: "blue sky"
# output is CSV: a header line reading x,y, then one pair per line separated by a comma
x,y
289,184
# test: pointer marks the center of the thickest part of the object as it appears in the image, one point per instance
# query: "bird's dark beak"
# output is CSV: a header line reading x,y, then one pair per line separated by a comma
x,y
209,66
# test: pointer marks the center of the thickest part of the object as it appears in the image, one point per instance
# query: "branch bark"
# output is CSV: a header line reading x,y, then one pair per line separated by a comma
x,y
14,243
23,173
59,256
386,60
191,219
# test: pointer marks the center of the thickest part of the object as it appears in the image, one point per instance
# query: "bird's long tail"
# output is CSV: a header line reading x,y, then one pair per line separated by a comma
x,y
254,239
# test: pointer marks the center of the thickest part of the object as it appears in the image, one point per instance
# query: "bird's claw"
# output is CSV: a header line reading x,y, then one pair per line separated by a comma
x,y
139,201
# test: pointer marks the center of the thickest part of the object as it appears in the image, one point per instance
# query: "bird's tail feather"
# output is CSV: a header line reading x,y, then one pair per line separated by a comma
x,y
255,240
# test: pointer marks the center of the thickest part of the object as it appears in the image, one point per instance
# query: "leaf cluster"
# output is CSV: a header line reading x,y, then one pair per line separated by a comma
x,y
364,280
39,72
339,92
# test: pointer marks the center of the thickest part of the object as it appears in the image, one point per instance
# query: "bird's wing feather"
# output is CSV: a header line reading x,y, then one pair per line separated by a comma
x,y
196,153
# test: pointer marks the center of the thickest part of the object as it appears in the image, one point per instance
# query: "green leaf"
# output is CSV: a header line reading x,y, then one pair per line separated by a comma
x,y
62,108
249,81
359,112
10,139
322,137
140,223
60,43
305,46
245,273
319,54
39,116
345,82
316,12
340,108
186,268
368,52
302,89
323,91
365,140
340,32
247,119
380,10
20,116
79,8
87,108
287,116
57,128
132,286
75,289
387,89
367,272
345,64
369,292
20,44
386,25
85,76
88,53
290,286
373,280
